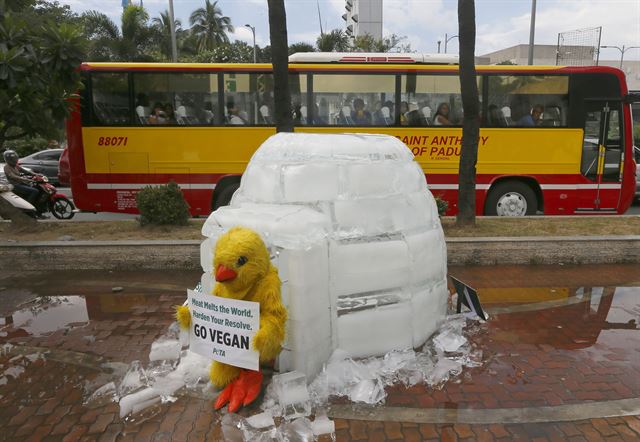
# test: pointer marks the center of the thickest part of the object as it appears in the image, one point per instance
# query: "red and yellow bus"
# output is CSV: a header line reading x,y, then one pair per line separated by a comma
x,y
553,140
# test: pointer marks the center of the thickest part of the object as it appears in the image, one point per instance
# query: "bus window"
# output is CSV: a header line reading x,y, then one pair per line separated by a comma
x,y
248,99
431,100
527,100
353,99
175,98
110,96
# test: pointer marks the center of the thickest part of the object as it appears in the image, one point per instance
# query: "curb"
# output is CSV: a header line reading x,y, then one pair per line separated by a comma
x,y
185,255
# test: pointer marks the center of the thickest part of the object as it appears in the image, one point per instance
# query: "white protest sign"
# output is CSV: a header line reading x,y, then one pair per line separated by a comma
x,y
223,329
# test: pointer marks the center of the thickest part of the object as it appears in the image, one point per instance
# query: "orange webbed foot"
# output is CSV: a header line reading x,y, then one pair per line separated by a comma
x,y
241,391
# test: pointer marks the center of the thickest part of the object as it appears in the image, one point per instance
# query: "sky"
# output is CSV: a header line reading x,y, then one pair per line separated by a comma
x,y
500,23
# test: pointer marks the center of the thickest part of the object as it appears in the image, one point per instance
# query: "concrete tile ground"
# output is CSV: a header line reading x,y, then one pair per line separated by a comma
x,y
560,339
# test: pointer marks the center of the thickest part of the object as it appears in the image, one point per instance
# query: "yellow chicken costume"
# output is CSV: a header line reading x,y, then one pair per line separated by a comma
x,y
244,271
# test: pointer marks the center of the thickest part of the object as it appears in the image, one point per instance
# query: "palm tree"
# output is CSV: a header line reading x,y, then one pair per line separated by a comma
x,y
210,26
107,42
162,27
471,107
301,47
334,41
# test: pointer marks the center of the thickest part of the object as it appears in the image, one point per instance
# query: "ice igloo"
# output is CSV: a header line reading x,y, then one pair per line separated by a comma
x,y
356,238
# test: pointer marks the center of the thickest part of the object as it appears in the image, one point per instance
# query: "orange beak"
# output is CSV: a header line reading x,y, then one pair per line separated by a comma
x,y
224,273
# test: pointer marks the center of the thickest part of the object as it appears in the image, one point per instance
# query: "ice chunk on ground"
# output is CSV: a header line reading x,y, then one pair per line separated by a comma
x,y
134,379
449,341
165,350
292,393
259,428
323,425
106,393
370,391
231,427
298,430
138,401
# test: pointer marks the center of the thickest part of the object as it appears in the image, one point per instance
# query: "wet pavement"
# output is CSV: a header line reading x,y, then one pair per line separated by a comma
x,y
561,360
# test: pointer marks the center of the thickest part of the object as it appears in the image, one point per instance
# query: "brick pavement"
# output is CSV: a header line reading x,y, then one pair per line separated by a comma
x,y
571,354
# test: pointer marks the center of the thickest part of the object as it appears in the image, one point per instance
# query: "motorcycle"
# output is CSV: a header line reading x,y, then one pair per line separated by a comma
x,y
6,192
59,205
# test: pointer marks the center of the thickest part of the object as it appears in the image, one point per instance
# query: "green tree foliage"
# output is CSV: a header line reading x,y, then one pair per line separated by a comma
x,y
210,26
38,70
135,42
236,52
162,205
301,47
392,43
334,41
162,28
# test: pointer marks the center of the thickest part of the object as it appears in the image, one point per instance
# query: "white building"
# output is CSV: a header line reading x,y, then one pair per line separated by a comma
x,y
363,17
546,55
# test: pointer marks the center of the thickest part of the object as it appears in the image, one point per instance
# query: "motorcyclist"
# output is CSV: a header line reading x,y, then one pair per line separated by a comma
x,y
22,180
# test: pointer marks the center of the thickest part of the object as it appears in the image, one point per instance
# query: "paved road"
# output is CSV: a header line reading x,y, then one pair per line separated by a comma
x,y
106,216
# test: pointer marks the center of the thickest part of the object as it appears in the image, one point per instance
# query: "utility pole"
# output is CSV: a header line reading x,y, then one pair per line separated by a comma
x,y
172,27
253,31
622,50
532,31
447,39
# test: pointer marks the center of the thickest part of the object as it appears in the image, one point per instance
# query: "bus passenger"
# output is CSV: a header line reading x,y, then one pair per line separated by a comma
x,y
404,109
158,115
441,117
360,116
171,115
533,119
234,114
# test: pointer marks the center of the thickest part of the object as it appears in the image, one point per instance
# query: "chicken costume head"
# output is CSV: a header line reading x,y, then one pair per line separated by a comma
x,y
243,270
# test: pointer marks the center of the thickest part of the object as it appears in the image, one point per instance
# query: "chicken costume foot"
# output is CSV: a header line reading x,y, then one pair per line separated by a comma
x,y
243,270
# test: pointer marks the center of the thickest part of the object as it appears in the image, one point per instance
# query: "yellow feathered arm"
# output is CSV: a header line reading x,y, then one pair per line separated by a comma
x,y
183,316
273,317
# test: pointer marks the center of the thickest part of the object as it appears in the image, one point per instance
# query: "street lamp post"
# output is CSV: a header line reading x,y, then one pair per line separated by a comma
x,y
622,50
446,40
532,31
253,31
439,46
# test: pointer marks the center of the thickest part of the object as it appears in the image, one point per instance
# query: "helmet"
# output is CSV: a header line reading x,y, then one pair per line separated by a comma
x,y
10,157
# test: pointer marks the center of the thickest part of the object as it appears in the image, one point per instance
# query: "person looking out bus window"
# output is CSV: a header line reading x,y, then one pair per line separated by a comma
x,y
360,115
158,115
533,119
234,114
441,118
170,113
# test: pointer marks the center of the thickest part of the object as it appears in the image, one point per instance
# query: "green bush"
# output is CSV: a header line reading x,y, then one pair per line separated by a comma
x,y
442,205
163,204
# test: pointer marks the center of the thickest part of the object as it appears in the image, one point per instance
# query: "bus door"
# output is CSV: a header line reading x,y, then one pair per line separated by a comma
x,y
602,157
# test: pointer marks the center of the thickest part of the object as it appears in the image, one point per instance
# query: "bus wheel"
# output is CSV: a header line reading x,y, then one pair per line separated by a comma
x,y
225,196
511,198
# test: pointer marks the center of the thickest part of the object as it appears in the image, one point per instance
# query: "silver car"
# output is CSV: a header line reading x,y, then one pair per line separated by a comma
x,y
44,162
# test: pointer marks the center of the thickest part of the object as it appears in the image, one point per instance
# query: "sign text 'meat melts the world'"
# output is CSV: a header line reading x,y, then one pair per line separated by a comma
x,y
223,329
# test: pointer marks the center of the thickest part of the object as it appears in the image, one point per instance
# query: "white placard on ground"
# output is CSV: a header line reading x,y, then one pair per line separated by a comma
x,y
223,329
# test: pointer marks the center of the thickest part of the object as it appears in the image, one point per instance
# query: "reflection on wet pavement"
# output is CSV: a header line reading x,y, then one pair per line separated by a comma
x,y
557,336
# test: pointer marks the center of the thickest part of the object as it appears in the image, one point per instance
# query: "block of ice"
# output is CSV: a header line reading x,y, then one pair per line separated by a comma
x,y
206,255
259,428
165,350
358,267
206,283
231,427
134,378
310,182
376,331
370,391
323,425
138,401
106,393
292,393
428,306
298,430
428,256
309,333
261,183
